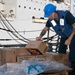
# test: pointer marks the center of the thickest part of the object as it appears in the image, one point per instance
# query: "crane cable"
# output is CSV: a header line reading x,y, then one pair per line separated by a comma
x,y
13,28
7,31
13,33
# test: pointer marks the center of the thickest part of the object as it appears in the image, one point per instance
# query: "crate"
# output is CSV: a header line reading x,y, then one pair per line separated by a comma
x,y
37,47
60,73
9,55
61,58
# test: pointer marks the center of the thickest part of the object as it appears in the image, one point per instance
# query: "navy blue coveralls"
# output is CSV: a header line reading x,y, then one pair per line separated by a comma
x,y
70,20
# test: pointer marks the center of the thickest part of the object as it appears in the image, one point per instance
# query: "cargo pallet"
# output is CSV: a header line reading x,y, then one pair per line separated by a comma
x,y
60,73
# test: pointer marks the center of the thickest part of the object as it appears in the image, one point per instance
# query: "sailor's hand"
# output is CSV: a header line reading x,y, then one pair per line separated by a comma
x,y
67,42
38,38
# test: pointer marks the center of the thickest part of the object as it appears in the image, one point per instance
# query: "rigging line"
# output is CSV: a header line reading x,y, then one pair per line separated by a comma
x,y
1,45
5,23
19,31
5,29
13,33
13,45
22,31
17,36
10,34
14,28
8,39
50,38
30,31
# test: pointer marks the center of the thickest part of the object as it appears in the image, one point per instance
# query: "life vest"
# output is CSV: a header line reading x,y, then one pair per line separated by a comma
x,y
61,28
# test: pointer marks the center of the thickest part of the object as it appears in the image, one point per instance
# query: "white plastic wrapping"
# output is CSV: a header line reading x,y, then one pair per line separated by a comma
x,y
31,67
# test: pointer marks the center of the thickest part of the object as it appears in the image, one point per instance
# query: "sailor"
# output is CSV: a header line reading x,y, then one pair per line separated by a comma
x,y
63,23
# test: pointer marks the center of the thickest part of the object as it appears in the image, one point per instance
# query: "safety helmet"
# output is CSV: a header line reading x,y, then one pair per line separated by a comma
x,y
49,9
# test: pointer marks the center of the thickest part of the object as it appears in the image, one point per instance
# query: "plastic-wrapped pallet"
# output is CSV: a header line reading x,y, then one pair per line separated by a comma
x,y
32,67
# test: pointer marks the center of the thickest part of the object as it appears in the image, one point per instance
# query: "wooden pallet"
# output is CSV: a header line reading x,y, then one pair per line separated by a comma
x,y
60,73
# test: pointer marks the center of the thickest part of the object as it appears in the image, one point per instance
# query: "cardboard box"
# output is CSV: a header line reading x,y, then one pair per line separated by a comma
x,y
20,58
8,56
1,62
36,47
21,51
61,58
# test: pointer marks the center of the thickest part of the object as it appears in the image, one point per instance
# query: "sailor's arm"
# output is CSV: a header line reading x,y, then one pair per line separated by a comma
x,y
43,32
67,42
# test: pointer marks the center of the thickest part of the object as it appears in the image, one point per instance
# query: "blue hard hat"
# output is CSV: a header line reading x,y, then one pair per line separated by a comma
x,y
49,9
